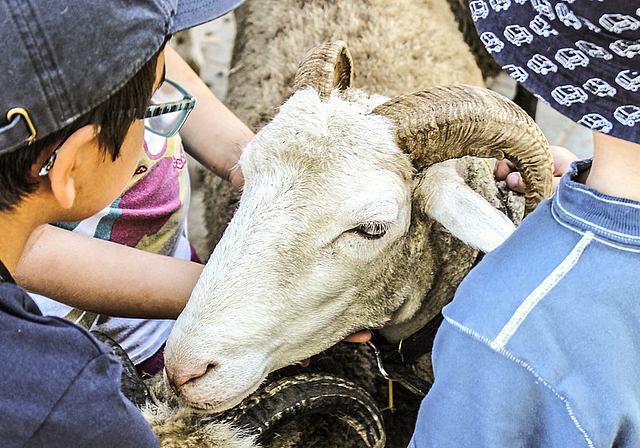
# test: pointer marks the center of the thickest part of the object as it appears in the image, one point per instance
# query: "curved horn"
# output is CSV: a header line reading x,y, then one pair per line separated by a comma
x,y
291,397
324,68
444,123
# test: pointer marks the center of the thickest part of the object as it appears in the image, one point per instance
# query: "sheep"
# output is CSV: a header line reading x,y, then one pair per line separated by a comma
x,y
265,60
330,207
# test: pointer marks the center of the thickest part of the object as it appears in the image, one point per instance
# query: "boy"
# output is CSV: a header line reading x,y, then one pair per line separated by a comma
x,y
540,346
77,80
150,216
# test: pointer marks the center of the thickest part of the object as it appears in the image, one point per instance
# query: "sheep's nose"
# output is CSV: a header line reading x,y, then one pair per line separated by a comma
x,y
180,376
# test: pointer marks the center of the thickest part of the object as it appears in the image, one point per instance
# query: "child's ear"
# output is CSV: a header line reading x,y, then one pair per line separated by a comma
x,y
69,158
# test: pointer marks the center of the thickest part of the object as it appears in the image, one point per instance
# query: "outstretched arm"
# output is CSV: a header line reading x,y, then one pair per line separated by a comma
x,y
105,277
213,135
109,278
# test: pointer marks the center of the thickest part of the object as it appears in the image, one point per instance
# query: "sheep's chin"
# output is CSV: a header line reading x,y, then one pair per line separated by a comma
x,y
198,397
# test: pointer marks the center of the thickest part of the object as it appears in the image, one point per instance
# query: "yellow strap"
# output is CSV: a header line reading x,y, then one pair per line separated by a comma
x,y
85,319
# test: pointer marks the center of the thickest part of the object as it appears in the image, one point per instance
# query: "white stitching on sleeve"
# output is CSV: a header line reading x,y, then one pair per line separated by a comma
x,y
530,369
541,290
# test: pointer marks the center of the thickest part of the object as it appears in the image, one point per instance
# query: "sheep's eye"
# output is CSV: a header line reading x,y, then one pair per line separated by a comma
x,y
371,230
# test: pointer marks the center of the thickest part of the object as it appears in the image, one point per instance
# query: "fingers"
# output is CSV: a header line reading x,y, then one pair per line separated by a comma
x,y
515,182
562,160
502,169
360,336
305,362
505,170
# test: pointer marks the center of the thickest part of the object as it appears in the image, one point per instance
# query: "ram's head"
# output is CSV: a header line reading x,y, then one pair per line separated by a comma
x,y
341,225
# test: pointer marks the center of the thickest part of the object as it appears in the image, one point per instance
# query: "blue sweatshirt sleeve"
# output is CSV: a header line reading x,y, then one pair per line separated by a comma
x,y
94,413
487,398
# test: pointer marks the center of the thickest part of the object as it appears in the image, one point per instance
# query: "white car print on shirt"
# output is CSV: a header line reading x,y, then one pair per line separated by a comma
x,y
567,95
596,122
544,8
599,87
617,23
567,17
541,27
593,50
625,48
629,79
541,64
628,115
570,58
500,5
479,10
518,35
516,72
491,42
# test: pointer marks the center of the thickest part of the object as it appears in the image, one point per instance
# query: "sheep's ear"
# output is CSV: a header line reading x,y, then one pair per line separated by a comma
x,y
444,196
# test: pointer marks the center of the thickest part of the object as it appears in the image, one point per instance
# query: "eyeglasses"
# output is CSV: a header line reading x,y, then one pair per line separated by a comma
x,y
171,105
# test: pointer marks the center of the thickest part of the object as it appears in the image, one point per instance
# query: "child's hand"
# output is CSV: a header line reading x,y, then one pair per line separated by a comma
x,y
359,336
562,160
236,177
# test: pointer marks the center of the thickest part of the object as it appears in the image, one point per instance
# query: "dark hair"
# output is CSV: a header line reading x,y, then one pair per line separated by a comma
x,y
113,117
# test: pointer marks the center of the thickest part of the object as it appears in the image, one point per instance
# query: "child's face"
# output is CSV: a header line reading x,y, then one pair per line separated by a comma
x,y
108,179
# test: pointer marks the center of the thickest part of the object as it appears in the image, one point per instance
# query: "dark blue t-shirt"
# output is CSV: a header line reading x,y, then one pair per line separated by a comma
x,y
59,387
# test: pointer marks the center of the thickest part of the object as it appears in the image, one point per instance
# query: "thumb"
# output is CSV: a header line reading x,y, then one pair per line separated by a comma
x,y
514,181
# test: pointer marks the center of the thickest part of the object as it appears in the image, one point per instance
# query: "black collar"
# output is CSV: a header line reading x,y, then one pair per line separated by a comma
x,y
394,360
410,349
5,275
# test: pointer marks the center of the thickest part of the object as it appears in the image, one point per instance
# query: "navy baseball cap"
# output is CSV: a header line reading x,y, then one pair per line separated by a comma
x,y
582,57
61,58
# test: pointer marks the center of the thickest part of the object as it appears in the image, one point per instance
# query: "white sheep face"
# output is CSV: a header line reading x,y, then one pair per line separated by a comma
x,y
326,203
324,243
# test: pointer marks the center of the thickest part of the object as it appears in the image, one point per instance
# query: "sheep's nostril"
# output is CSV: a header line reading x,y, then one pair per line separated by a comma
x,y
181,376
210,367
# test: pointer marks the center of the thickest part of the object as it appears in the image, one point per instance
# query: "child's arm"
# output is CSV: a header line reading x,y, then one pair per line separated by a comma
x,y
105,277
212,134
109,278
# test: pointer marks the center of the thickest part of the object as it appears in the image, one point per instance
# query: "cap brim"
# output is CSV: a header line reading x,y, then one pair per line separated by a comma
x,y
190,13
